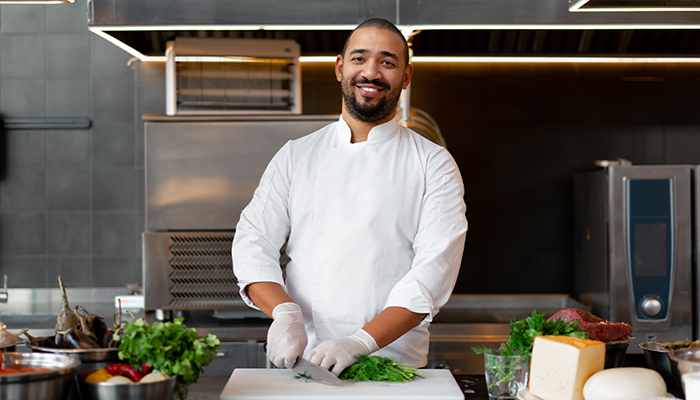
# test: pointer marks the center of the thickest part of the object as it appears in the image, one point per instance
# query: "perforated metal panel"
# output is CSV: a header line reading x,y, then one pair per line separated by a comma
x,y
205,76
263,85
202,272
191,270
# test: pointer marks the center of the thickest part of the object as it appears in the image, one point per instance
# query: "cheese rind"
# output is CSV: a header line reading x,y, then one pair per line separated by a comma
x,y
561,365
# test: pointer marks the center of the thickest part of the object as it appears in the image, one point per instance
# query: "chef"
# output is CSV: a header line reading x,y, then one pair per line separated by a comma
x,y
374,219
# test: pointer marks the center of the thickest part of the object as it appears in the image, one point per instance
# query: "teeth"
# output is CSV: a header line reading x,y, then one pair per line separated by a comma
x,y
370,89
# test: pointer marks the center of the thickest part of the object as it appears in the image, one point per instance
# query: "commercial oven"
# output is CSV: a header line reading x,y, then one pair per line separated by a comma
x,y
635,240
201,171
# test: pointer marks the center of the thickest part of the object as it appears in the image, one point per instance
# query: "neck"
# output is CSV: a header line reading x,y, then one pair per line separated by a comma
x,y
359,130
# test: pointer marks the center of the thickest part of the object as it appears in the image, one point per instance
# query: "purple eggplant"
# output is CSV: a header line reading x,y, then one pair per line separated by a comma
x,y
76,339
91,324
67,319
108,339
44,341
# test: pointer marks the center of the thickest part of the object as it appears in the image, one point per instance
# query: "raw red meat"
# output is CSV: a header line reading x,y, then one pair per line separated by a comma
x,y
597,328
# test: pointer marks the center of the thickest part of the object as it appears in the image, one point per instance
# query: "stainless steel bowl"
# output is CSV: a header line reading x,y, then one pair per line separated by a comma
x,y
684,361
162,390
42,385
615,352
656,356
11,347
91,359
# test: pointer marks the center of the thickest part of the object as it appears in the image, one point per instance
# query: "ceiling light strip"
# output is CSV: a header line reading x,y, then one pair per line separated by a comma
x,y
578,6
120,44
526,59
637,9
403,28
3,2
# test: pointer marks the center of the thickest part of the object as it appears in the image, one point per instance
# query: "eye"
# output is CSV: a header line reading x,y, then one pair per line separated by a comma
x,y
357,59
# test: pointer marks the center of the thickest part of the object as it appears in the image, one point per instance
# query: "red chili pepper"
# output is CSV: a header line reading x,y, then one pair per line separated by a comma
x,y
146,369
125,370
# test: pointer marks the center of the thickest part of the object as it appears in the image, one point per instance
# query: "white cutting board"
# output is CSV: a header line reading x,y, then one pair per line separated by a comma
x,y
264,384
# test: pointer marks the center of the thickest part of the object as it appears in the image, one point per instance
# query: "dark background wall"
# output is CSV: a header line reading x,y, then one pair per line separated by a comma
x,y
72,201
519,132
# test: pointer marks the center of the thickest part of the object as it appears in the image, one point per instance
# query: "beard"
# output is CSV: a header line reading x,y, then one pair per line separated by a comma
x,y
383,109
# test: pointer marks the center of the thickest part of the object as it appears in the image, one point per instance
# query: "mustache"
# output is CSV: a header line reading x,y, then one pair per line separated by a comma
x,y
375,82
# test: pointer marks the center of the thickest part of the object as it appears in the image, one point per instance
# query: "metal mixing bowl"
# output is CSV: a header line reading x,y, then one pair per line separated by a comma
x,y
656,356
684,361
615,352
91,359
41,385
10,347
161,390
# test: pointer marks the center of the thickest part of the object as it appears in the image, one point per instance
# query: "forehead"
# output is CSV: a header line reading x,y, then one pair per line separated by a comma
x,y
376,40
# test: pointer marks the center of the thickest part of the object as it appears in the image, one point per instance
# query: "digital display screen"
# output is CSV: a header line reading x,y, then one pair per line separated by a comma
x,y
650,258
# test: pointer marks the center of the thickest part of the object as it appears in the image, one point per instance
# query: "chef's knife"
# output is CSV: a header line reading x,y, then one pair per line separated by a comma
x,y
303,366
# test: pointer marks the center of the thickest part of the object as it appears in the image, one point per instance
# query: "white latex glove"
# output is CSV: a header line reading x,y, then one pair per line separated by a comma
x,y
340,353
286,338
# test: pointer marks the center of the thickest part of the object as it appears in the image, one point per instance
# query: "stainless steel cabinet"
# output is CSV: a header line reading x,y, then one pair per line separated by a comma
x,y
232,355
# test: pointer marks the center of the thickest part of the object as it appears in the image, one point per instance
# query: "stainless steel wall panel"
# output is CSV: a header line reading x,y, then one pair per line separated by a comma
x,y
200,175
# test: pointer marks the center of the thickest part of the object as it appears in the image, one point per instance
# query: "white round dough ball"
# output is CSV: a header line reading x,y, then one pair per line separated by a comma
x,y
630,383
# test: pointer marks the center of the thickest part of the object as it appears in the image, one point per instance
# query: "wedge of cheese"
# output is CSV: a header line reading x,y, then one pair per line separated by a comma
x,y
561,365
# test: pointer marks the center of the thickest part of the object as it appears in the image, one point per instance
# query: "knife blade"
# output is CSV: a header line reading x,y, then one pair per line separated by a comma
x,y
303,366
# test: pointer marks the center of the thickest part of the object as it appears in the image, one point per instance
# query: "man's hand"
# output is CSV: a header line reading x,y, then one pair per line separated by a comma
x,y
340,353
286,338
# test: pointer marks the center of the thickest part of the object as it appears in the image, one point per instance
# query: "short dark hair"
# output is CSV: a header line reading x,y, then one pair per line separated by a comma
x,y
380,23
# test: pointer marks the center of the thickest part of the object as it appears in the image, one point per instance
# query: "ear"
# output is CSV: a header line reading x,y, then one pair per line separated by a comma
x,y
339,67
407,74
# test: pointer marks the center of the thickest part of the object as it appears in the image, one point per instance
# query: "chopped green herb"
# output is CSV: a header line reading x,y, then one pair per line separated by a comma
x,y
303,376
377,368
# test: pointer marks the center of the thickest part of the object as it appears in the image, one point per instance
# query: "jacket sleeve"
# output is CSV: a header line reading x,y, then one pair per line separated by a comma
x,y
439,241
263,227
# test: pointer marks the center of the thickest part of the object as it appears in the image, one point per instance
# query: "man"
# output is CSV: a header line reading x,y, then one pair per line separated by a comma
x,y
375,220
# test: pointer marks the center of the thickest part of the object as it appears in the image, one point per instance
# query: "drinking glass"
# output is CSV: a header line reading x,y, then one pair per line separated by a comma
x,y
505,375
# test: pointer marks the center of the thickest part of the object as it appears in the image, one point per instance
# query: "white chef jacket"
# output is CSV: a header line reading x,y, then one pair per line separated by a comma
x,y
374,224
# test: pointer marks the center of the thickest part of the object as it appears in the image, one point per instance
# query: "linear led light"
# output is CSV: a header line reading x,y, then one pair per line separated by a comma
x,y
524,59
540,59
36,1
103,32
586,6
490,59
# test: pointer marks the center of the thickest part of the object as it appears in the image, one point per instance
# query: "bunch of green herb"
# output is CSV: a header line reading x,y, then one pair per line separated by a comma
x,y
169,347
522,334
377,368
521,339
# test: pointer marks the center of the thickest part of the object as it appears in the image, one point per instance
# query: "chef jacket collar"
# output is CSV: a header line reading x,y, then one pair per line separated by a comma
x,y
377,134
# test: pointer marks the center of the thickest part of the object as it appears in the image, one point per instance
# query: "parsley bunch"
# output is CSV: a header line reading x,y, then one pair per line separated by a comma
x,y
377,368
522,334
521,339
169,347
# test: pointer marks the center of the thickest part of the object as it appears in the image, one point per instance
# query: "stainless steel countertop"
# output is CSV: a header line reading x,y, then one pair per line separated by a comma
x,y
464,317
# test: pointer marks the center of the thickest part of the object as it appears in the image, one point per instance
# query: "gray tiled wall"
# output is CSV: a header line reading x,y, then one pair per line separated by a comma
x,y
71,201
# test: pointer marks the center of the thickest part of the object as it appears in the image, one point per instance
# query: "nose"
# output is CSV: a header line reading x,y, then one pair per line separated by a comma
x,y
371,71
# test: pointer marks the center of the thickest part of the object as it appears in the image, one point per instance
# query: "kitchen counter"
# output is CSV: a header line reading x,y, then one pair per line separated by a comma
x,y
209,387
